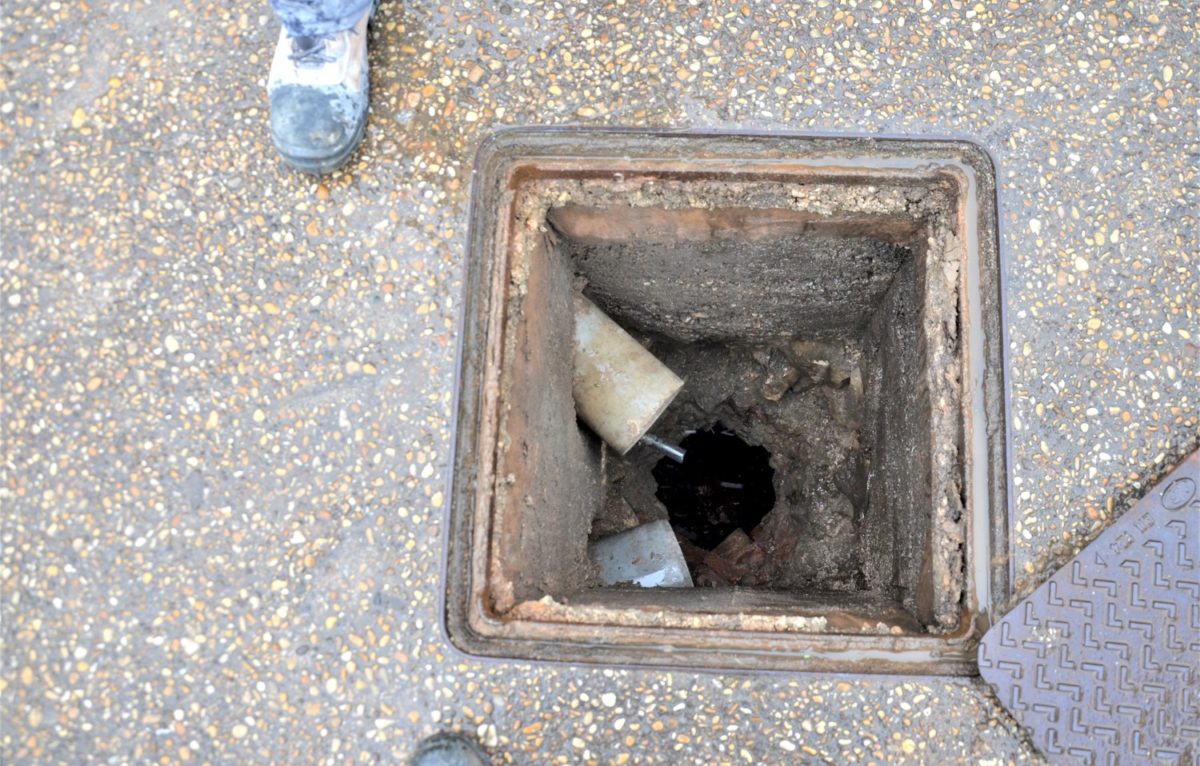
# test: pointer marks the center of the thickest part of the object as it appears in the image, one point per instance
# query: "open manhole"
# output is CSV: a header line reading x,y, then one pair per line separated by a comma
x,y
833,306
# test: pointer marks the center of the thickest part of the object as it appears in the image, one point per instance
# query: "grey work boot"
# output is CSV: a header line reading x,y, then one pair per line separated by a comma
x,y
448,750
318,89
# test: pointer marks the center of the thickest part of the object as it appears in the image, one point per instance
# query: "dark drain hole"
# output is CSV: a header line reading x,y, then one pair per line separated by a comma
x,y
723,484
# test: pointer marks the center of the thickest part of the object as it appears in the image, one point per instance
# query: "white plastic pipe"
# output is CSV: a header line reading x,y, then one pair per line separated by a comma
x,y
648,556
620,388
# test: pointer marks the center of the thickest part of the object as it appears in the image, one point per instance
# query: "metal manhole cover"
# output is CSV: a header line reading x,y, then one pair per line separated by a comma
x,y
1099,663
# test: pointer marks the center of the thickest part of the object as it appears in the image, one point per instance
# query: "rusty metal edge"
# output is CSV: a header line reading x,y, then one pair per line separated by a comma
x,y
462,596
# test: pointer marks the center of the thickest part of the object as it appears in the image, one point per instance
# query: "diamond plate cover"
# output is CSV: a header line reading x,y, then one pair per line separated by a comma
x,y
1100,662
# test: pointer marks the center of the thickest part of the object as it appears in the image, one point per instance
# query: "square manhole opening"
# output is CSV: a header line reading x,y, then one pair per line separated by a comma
x,y
833,306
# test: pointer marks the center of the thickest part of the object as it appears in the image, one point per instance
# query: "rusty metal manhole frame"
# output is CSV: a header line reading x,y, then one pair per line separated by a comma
x,y
474,629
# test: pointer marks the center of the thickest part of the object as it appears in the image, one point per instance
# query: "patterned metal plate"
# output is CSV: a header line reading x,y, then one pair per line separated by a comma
x,y
1100,663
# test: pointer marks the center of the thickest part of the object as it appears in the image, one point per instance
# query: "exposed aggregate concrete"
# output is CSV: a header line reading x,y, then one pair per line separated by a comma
x,y
227,387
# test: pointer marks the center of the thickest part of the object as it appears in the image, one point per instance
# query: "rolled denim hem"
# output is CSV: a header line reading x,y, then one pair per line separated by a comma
x,y
316,18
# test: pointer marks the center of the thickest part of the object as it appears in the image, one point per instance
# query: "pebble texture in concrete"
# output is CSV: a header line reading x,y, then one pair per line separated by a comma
x,y
227,387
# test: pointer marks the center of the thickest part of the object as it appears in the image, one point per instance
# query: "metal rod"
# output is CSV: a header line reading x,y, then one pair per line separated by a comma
x,y
670,450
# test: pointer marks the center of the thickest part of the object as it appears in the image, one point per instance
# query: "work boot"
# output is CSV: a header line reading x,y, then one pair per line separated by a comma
x,y
318,91
448,750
